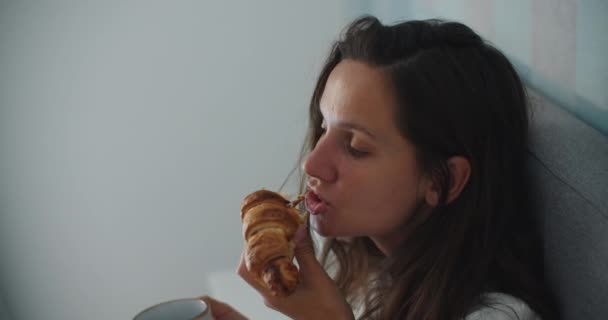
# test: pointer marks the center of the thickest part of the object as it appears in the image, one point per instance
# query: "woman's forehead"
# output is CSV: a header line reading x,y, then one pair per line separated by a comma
x,y
359,94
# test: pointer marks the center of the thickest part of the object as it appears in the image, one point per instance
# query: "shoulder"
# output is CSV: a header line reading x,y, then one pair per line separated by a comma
x,y
502,306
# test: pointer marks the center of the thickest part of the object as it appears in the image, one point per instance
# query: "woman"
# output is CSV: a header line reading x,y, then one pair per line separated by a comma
x,y
415,167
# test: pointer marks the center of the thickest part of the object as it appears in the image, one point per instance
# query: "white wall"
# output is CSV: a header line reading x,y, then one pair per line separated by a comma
x,y
130,131
4,311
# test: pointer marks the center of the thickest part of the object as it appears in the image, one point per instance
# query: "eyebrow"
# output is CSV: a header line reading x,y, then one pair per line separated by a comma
x,y
354,126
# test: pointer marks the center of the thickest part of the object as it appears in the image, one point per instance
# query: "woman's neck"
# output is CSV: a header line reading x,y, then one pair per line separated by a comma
x,y
388,243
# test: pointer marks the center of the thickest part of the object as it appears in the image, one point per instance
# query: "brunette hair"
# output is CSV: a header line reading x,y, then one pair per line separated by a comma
x,y
457,95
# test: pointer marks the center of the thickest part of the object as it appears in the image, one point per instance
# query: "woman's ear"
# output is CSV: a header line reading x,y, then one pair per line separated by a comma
x,y
460,171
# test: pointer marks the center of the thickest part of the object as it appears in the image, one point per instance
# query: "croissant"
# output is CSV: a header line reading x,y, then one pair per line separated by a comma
x,y
269,223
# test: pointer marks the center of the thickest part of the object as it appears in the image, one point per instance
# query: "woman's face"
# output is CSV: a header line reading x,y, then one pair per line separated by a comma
x,y
362,172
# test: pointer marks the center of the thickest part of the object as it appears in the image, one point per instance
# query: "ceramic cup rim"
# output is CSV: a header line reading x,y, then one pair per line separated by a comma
x,y
196,317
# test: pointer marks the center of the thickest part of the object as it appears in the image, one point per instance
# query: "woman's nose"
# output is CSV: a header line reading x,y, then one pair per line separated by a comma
x,y
319,163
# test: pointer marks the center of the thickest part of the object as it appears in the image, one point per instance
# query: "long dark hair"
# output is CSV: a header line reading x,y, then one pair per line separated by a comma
x,y
457,95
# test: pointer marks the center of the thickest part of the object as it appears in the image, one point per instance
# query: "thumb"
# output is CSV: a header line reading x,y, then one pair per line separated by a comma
x,y
304,251
220,310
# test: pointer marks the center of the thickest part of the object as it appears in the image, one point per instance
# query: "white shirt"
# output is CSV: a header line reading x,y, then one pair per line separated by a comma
x,y
500,306
503,307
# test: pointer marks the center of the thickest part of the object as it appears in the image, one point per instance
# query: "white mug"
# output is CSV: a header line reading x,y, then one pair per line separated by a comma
x,y
180,309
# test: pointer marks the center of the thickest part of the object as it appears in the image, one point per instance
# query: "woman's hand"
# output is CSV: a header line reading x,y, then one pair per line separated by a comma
x,y
316,297
221,310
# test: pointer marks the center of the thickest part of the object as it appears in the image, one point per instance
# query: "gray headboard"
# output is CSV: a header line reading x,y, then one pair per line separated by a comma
x,y
569,171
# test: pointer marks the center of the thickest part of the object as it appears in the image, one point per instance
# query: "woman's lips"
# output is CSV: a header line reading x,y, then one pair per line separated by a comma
x,y
314,204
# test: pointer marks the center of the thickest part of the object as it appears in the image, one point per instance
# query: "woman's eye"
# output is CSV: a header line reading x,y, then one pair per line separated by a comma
x,y
355,152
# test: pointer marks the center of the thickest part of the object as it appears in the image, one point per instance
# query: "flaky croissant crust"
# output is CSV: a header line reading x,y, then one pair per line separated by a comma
x,y
269,223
